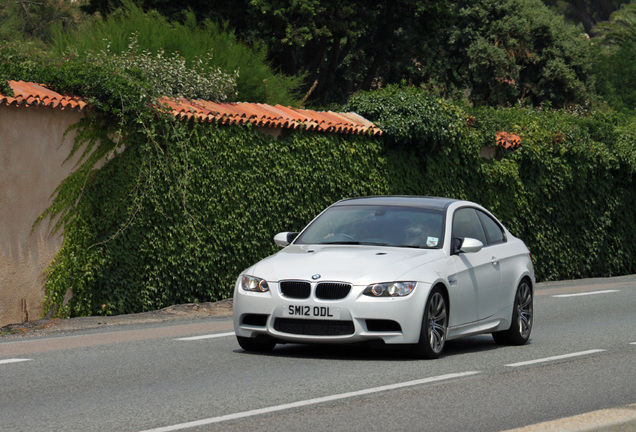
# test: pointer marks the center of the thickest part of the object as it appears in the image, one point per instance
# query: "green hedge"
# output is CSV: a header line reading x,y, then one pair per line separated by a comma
x,y
569,191
175,219
209,210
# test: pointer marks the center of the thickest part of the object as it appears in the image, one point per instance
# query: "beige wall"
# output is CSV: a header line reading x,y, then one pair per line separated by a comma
x,y
32,165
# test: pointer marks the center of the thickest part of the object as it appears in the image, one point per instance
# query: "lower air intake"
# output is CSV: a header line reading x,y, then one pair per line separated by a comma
x,y
313,327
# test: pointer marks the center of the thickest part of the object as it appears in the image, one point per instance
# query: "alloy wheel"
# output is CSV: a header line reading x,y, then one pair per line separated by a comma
x,y
524,310
436,327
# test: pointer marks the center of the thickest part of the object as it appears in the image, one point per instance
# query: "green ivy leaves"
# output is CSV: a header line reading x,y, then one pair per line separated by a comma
x,y
206,207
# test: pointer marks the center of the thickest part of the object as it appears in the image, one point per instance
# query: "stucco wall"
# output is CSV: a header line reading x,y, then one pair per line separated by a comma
x,y
32,165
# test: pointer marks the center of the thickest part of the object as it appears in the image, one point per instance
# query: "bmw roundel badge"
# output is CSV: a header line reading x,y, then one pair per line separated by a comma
x,y
316,277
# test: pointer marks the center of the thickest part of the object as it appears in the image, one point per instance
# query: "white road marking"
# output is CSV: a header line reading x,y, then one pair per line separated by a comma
x,y
586,293
14,360
632,343
208,336
308,402
559,357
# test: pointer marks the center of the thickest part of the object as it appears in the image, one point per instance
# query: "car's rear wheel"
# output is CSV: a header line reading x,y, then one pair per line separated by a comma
x,y
522,318
256,344
434,327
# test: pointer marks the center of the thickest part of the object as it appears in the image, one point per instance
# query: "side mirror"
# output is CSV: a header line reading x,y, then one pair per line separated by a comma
x,y
285,238
466,245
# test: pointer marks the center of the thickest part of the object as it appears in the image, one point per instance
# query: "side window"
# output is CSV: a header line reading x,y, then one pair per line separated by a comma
x,y
493,230
466,223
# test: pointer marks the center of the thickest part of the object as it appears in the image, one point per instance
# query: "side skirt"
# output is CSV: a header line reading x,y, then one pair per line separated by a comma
x,y
488,326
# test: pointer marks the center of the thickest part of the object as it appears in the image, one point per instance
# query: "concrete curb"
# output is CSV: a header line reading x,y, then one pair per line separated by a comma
x,y
621,419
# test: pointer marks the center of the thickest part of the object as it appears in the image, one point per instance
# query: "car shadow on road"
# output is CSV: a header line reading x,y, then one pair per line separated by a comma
x,y
362,352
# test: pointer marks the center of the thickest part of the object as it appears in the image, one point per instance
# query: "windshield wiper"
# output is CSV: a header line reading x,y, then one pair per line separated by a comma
x,y
351,242
340,243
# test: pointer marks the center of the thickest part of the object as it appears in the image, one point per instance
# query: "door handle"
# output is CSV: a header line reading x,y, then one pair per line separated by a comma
x,y
494,261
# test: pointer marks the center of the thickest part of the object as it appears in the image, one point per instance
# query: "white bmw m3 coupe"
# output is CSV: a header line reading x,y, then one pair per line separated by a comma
x,y
398,270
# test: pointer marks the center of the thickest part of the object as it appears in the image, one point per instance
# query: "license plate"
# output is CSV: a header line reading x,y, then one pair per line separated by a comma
x,y
304,311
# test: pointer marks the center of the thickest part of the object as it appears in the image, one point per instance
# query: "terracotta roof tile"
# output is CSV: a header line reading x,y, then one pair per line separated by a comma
x,y
270,116
31,94
508,140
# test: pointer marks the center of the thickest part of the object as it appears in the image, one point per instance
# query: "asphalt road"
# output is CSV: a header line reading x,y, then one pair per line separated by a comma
x,y
190,374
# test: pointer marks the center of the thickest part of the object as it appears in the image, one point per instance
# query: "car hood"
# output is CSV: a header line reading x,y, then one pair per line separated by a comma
x,y
359,265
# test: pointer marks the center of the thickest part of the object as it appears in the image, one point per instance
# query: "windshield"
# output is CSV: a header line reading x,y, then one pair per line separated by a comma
x,y
376,225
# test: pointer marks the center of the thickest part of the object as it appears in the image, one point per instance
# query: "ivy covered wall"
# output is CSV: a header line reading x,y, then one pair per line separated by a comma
x,y
176,218
179,225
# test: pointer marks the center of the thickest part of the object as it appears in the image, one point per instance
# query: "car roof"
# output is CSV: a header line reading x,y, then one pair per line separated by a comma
x,y
435,203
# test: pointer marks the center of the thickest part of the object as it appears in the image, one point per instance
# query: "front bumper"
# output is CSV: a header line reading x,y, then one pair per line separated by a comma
x,y
355,318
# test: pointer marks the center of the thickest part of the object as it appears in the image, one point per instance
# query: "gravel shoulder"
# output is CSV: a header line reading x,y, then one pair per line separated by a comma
x,y
48,326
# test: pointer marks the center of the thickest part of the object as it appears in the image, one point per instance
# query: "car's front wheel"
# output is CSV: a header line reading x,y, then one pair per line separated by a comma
x,y
434,327
256,344
522,318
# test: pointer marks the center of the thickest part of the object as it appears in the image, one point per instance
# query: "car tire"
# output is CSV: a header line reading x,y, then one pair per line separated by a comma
x,y
434,327
256,344
522,318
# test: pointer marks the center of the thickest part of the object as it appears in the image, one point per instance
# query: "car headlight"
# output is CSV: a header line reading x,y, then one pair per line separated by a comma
x,y
252,283
390,289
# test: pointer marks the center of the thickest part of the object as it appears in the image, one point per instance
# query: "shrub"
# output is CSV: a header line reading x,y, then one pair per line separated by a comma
x,y
207,46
